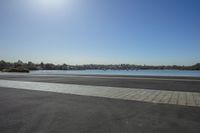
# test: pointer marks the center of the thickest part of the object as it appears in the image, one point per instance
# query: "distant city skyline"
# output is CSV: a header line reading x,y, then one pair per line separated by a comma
x,y
151,32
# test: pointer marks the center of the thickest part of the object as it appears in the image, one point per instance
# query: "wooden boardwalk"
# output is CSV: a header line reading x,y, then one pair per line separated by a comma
x,y
144,95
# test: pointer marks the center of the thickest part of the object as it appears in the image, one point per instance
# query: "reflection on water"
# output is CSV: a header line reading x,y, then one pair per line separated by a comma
x,y
122,72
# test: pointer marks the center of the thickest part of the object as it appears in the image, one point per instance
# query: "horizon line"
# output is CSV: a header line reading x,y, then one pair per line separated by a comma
x,y
95,63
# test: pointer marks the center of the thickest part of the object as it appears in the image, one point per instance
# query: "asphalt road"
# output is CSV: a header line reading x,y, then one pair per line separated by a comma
x,y
189,84
25,111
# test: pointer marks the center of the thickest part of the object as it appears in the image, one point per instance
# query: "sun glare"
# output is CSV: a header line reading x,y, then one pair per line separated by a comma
x,y
50,5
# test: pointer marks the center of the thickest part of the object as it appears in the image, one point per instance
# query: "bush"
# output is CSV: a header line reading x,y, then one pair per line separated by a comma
x,y
20,70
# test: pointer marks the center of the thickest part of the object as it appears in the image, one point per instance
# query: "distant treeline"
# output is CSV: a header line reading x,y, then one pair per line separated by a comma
x,y
19,65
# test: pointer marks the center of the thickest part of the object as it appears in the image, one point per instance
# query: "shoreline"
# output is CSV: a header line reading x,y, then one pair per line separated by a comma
x,y
31,73
190,84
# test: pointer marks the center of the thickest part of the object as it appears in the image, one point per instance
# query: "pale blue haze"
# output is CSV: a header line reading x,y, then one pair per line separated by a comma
x,y
152,32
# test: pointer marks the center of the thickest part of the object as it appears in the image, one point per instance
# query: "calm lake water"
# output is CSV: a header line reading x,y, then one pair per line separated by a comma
x,y
122,72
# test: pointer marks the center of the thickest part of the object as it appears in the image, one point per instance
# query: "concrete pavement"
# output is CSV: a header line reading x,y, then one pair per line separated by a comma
x,y
26,111
29,104
144,95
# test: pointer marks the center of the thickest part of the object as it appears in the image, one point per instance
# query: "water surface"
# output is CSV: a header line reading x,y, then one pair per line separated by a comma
x,y
182,73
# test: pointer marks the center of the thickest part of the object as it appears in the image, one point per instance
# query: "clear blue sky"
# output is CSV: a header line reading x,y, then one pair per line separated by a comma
x,y
151,32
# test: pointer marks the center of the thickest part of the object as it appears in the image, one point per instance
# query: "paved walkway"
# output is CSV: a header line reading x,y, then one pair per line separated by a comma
x,y
144,95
